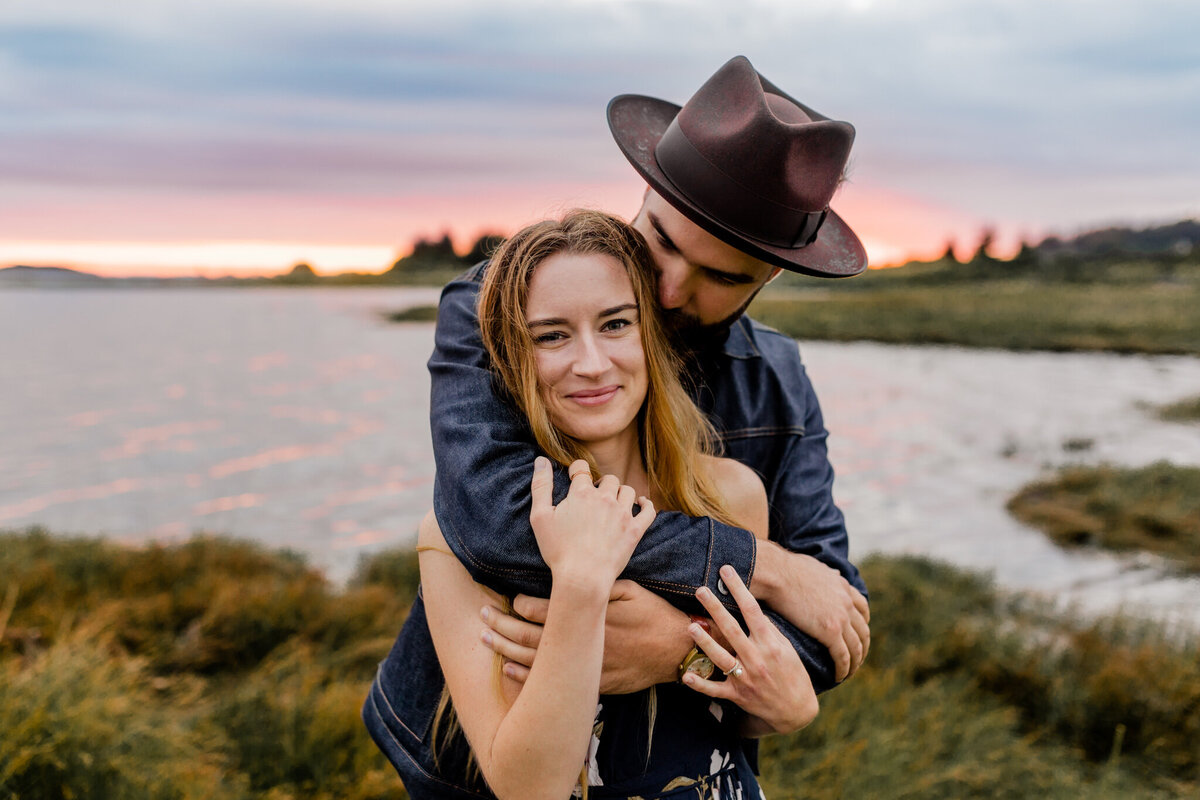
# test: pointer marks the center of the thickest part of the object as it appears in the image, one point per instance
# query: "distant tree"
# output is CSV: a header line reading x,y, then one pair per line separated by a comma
x,y
301,273
949,256
1026,256
428,254
983,255
483,248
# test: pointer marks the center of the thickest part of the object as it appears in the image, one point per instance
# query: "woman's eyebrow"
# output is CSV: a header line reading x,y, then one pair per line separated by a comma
x,y
608,312
534,323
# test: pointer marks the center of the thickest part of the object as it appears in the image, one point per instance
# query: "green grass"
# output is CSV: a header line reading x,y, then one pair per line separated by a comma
x,y
413,314
217,669
1010,314
1154,509
969,693
208,669
1187,410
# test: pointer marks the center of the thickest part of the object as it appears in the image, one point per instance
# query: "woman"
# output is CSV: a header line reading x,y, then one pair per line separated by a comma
x,y
568,317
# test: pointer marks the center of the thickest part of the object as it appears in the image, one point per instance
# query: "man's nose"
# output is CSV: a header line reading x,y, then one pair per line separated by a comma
x,y
591,359
673,286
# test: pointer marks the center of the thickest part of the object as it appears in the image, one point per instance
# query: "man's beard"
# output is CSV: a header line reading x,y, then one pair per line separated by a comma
x,y
690,335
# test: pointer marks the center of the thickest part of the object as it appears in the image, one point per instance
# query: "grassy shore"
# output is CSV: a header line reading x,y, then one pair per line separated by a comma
x,y
215,668
1154,509
1187,410
1010,314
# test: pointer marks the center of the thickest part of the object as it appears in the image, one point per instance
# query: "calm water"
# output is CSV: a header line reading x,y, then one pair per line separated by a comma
x,y
298,418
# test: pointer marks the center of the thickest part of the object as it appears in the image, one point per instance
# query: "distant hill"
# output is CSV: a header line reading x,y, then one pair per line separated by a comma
x,y
46,276
1179,238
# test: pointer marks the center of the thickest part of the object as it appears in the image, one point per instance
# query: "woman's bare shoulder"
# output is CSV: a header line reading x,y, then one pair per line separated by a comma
x,y
743,491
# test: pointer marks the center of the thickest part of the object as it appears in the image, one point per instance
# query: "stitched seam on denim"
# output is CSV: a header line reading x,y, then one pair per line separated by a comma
x,y
751,433
681,588
416,763
712,543
484,567
386,700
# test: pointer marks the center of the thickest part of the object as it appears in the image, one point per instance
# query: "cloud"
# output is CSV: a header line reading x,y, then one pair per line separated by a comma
x,y
1020,113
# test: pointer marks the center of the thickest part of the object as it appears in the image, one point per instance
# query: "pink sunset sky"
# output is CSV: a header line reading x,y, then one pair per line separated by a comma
x,y
169,138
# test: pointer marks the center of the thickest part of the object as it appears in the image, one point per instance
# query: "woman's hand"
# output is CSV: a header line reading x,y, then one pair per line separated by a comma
x,y
589,536
765,676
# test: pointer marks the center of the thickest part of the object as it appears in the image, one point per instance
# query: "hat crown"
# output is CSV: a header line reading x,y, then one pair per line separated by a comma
x,y
750,165
766,141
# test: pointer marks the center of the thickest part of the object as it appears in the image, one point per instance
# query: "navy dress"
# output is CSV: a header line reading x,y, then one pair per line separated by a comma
x,y
691,749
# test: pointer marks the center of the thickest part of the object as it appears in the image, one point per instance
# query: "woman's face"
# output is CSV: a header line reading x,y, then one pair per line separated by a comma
x,y
584,321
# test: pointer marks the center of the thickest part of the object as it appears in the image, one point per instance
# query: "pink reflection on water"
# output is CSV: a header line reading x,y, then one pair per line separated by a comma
x,y
363,494
267,458
41,502
138,439
268,361
169,530
326,416
231,503
362,539
86,419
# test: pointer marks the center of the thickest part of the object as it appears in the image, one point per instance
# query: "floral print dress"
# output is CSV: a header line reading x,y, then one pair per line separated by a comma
x,y
667,742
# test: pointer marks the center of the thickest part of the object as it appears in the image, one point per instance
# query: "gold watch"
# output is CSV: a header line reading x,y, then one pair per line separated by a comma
x,y
696,660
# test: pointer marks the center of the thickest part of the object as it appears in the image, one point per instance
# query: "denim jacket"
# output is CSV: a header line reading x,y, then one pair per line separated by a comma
x,y
759,398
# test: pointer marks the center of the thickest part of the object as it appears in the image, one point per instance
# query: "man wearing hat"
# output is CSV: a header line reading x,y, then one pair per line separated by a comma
x,y
739,184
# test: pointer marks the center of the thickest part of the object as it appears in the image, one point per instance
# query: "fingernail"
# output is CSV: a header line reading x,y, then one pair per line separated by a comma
x,y
487,638
728,572
483,612
541,462
694,629
703,591
510,671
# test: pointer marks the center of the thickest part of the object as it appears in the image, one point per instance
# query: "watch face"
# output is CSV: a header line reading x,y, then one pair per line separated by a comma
x,y
699,663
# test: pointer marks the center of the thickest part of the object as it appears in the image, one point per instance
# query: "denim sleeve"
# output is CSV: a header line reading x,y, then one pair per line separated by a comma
x,y
484,455
805,519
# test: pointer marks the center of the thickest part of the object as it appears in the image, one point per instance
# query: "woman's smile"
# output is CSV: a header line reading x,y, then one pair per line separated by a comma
x,y
594,397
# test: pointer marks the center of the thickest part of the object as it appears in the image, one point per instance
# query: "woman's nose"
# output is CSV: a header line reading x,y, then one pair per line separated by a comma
x,y
591,357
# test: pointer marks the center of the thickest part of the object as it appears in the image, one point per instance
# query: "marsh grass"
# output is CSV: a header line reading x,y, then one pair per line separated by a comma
x,y
149,680
1012,314
970,693
413,314
1154,508
1187,410
208,669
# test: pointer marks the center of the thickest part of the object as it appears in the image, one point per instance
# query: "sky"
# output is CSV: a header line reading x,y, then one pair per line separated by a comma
x,y
178,137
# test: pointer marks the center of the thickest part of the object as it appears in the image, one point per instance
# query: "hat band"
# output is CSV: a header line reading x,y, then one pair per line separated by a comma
x,y
728,202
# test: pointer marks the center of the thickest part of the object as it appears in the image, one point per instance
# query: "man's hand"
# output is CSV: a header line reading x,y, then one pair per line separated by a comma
x,y
817,600
645,638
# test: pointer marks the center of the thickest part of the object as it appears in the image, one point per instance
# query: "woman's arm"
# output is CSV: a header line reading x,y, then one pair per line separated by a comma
x,y
533,743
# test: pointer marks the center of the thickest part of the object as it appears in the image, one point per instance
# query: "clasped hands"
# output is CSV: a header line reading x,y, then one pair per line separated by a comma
x,y
645,635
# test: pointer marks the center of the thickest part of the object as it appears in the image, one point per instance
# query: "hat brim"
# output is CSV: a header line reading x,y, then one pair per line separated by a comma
x,y
638,123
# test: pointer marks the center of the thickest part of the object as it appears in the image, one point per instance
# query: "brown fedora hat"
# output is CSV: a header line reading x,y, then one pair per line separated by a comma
x,y
750,165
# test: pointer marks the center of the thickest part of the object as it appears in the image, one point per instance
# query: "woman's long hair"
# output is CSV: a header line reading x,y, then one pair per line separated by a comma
x,y
672,431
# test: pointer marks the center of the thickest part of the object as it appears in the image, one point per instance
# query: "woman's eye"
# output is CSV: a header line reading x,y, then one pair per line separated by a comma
x,y
548,338
616,324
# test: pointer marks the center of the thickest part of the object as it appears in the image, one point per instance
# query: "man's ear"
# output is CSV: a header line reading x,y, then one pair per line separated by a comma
x,y
774,274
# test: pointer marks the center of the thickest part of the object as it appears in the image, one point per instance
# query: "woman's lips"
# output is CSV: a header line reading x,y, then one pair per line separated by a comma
x,y
594,397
